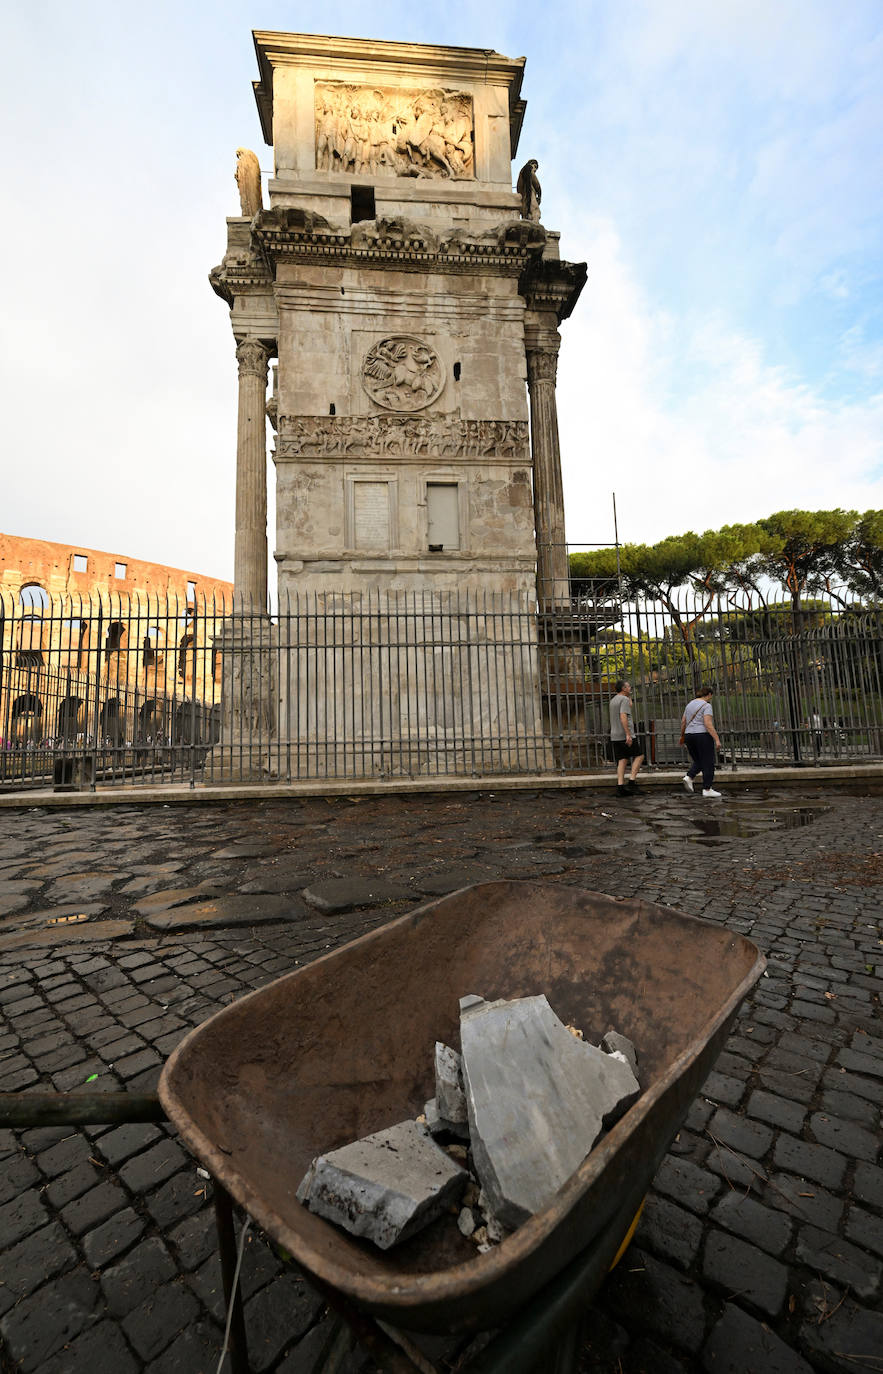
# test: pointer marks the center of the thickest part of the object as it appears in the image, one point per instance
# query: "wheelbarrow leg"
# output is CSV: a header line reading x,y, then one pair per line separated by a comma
x,y
564,1355
238,1347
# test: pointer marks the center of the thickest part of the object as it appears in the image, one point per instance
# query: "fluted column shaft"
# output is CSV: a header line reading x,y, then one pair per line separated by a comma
x,y
250,549
548,490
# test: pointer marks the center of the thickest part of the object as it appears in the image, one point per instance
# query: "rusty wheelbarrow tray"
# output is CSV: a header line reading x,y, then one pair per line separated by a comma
x,y
343,1047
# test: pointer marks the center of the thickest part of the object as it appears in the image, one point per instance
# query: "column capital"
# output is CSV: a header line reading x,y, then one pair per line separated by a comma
x,y
542,365
253,358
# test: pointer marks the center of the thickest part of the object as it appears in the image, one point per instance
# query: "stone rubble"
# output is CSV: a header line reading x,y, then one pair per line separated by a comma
x,y
538,1100
529,1095
384,1187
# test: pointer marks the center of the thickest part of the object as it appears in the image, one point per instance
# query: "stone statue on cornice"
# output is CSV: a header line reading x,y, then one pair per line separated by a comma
x,y
248,179
528,187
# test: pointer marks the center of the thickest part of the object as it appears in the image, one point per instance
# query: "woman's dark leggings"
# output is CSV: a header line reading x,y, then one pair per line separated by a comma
x,y
701,751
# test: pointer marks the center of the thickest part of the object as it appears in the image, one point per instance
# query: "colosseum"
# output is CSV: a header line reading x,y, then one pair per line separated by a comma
x,y
108,662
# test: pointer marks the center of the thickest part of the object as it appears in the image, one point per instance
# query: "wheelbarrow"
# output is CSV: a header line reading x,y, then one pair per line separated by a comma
x,y
344,1047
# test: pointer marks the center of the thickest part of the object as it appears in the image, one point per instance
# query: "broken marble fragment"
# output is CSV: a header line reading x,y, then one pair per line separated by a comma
x,y
384,1187
436,1124
537,1101
622,1047
449,1084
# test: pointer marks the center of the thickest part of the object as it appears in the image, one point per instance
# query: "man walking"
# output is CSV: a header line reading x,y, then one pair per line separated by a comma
x,y
625,743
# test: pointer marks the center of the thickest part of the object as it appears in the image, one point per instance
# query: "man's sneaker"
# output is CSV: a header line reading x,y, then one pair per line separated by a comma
x,y
688,783
710,792
632,785
623,790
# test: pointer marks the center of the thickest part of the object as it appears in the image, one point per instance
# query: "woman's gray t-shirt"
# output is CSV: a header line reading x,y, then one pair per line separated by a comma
x,y
695,714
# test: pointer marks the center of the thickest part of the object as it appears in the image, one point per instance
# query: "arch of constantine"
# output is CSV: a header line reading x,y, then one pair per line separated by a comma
x,y
411,301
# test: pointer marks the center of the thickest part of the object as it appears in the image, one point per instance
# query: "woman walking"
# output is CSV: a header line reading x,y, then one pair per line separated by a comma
x,y
701,739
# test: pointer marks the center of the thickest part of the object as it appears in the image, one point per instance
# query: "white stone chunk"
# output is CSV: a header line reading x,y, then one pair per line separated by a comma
x,y
449,1093
622,1047
385,1187
537,1100
436,1124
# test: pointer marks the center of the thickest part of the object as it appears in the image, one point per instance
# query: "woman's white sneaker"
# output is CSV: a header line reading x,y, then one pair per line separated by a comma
x,y
688,783
710,792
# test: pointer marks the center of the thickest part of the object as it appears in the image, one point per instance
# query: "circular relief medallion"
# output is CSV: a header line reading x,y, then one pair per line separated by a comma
x,y
402,373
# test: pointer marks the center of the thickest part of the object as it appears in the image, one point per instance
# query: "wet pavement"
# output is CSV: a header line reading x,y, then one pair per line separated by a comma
x,y
761,1244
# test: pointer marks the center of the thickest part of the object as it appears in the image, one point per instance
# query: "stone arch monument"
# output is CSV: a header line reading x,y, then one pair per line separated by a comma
x,y
408,296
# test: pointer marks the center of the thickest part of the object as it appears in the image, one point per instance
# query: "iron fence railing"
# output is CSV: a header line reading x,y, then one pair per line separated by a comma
x,y
382,685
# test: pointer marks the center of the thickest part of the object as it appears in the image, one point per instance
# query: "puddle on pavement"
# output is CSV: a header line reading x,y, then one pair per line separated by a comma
x,y
744,824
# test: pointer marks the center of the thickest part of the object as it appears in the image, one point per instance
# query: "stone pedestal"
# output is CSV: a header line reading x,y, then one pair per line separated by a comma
x,y
246,750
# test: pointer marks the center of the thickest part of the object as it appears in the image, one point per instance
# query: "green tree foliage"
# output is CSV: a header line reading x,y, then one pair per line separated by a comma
x,y
858,563
805,552
808,545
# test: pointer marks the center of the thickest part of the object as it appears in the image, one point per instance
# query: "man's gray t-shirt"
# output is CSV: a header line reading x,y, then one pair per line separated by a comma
x,y
620,703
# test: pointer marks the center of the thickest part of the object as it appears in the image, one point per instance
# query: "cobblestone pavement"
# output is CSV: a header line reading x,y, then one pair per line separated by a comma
x,y
761,1245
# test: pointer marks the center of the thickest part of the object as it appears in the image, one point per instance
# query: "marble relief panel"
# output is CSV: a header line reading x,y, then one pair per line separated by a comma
x,y
420,133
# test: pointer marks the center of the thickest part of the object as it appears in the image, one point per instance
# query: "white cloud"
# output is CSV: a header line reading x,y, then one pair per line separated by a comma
x,y
692,426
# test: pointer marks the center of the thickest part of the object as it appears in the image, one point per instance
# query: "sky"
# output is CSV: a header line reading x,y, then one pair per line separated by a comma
x,y
716,163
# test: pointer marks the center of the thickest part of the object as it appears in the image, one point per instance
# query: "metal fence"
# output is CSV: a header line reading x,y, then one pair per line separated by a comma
x,y
346,686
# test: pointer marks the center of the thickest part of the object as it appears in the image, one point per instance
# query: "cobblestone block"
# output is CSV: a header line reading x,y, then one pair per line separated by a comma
x,y
865,1229
285,1309
841,1080
752,1221
32,1261
776,1111
194,1351
125,1141
178,1198
741,1345
870,1065
721,1087
793,1086
160,1318
850,1339
22,1215
850,1107
17,1174
687,1184
735,1169
112,1238
40,1325
811,1161
143,1269
669,1231
310,1354
72,1184
650,1294
839,1261
846,1136
154,1166
99,1350
93,1207
807,1201
746,1137
741,1268
868,1184
194,1239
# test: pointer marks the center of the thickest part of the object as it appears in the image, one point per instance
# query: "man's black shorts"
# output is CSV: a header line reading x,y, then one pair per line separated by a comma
x,y
621,750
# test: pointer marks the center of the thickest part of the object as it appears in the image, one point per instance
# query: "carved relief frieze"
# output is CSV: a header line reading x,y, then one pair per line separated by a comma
x,y
363,130
402,373
376,436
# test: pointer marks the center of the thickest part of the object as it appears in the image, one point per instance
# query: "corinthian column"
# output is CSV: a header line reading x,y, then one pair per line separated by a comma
x,y
548,492
250,550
